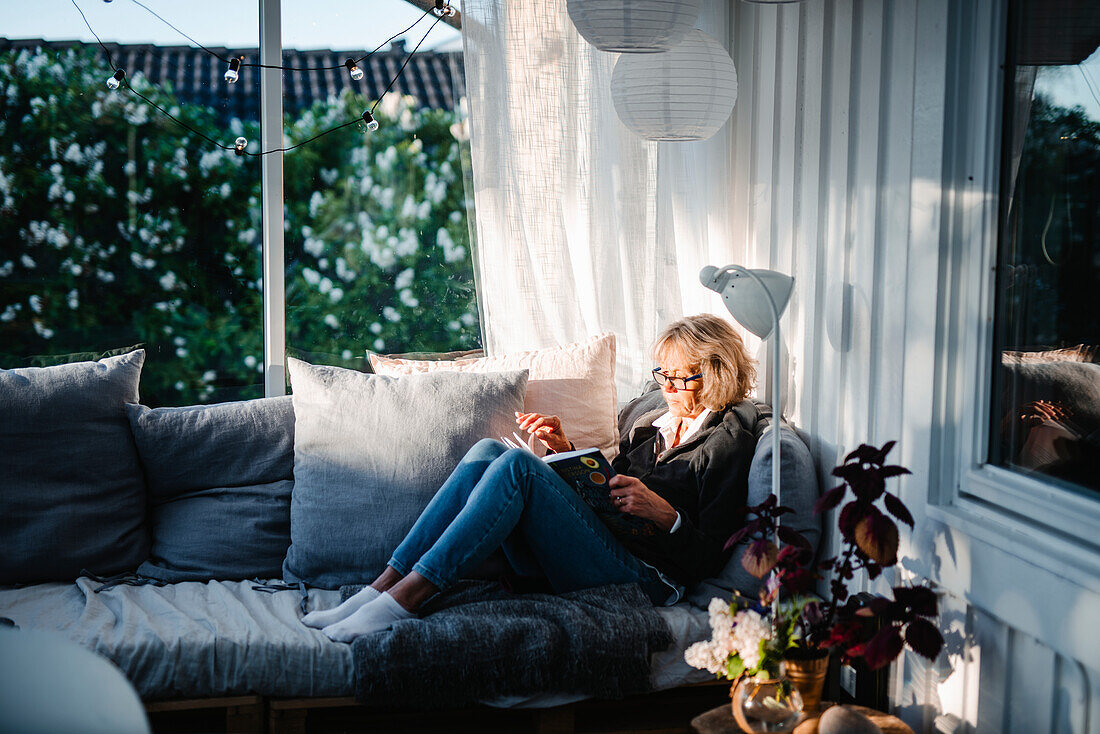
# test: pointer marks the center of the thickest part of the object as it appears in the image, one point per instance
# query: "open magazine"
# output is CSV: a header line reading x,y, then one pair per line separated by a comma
x,y
588,471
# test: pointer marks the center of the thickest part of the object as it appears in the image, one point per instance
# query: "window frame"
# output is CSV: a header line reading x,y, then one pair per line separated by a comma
x,y
271,188
1041,521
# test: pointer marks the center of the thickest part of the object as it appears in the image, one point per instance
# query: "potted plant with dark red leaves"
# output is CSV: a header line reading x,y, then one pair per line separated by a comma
x,y
868,627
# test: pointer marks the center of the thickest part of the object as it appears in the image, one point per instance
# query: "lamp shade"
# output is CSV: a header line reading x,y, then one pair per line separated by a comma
x,y
685,93
746,297
633,26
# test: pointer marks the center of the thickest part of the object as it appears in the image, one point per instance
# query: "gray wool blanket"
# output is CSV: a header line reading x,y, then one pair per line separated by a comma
x,y
477,641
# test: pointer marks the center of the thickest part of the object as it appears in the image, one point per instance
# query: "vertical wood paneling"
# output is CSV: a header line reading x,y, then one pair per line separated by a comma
x,y
991,655
1071,695
833,347
1030,687
858,377
895,194
807,308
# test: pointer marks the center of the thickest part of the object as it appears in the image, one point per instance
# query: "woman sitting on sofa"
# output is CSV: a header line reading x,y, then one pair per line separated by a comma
x,y
684,469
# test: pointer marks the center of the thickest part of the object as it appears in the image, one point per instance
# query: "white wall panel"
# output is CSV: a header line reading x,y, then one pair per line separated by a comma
x,y
842,143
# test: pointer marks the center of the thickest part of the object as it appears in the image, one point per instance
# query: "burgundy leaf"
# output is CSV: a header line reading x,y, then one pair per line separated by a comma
x,y
850,515
759,558
736,538
873,571
886,447
924,638
883,648
893,471
793,537
862,454
829,500
848,471
792,555
869,485
920,599
877,536
898,509
798,580
844,634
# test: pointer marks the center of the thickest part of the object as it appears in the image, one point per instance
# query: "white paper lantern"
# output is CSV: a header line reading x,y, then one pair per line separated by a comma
x,y
686,93
634,26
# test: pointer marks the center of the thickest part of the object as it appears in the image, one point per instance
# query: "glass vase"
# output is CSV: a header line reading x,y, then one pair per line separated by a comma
x,y
772,705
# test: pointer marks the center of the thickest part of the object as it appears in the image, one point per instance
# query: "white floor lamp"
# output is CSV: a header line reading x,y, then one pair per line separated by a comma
x,y
756,299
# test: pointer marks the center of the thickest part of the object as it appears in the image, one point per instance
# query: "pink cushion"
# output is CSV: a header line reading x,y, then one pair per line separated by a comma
x,y
575,382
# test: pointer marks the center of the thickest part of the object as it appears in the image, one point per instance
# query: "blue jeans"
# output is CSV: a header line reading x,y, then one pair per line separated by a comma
x,y
509,498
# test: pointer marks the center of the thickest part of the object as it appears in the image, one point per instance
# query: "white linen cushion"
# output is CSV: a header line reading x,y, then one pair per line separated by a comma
x,y
575,382
370,451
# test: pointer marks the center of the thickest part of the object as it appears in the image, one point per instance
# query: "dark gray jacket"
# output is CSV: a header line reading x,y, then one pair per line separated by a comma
x,y
704,478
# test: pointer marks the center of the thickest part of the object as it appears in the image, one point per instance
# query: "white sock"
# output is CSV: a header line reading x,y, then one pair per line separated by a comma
x,y
324,617
374,616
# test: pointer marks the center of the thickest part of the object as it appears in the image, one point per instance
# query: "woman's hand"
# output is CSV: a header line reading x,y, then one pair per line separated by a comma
x,y
546,428
632,497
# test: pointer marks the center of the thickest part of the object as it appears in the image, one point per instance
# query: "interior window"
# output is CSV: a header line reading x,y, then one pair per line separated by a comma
x,y
1046,391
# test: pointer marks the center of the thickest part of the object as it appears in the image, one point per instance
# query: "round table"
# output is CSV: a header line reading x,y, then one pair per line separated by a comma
x,y
719,720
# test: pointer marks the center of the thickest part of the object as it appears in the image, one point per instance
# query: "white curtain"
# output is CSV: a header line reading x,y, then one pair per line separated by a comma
x,y
580,226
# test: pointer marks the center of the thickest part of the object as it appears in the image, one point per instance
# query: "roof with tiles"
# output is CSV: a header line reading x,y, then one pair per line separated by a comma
x,y
434,78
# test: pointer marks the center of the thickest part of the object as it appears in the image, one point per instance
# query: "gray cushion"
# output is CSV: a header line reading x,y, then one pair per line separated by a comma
x,y
369,453
219,479
72,494
799,491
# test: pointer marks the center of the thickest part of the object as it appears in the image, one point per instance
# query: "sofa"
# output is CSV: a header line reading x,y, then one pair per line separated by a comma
x,y
185,543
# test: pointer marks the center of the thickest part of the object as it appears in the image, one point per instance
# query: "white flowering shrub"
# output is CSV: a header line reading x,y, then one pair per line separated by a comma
x,y
378,234
119,227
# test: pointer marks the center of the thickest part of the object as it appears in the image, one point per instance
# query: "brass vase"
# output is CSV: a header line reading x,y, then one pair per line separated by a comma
x,y
808,675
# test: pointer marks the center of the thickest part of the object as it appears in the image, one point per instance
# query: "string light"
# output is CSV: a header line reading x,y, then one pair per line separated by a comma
x,y
444,9
116,78
353,71
232,74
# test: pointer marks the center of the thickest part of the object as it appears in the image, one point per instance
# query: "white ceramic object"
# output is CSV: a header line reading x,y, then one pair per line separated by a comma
x,y
844,720
49,684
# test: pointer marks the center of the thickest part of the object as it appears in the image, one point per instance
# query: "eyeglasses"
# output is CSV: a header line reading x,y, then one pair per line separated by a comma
x,y
680,383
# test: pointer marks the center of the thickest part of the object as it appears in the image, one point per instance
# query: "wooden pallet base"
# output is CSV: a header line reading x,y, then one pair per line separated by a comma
x,y
666,712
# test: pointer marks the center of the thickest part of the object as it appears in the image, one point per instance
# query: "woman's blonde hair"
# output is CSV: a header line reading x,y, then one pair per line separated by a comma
x,y
710,344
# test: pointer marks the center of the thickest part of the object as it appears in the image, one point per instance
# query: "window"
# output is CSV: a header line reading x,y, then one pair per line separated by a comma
x,y
1045,417
118,227
377,243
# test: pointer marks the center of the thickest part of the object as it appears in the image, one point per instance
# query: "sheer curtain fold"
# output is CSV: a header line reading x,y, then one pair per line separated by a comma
x,y
581,226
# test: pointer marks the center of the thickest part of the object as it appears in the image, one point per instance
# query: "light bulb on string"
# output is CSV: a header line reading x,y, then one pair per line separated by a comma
x,y
444,9
239,145
353,70
116,79
372,124
233,73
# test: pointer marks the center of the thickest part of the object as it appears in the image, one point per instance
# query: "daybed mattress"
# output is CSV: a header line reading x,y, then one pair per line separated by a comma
x,y
194,640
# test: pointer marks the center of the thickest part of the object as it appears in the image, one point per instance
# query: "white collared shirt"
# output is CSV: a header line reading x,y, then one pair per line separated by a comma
x,y
665,424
